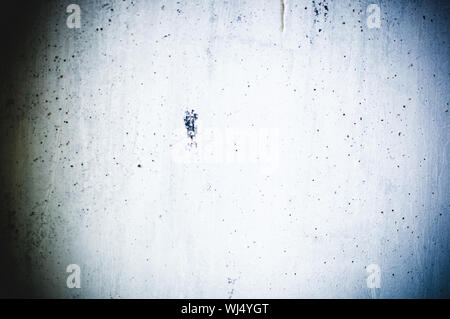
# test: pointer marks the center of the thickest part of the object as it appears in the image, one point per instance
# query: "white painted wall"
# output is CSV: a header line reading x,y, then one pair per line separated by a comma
x,y
344,136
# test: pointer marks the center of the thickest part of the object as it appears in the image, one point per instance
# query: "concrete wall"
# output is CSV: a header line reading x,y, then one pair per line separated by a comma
x,y
321,148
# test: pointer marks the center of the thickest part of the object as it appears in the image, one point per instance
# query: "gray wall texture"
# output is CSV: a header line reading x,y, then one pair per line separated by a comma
x,y
321,148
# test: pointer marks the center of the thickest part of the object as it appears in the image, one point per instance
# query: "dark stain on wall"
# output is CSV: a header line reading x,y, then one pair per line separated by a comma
x,y
18,26
189,122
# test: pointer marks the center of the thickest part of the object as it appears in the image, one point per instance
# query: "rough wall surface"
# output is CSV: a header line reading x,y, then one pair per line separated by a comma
x,y
321,147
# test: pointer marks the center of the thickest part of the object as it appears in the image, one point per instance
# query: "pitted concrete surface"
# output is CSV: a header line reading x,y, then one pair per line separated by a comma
x,y
320,147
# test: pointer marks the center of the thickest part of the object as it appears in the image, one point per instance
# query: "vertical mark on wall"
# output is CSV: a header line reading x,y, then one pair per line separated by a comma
x,y
282,15
191,127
